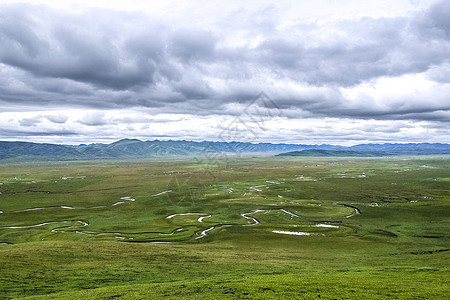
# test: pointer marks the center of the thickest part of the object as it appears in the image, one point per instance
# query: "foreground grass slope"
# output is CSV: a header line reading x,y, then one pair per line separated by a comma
x,y
252,228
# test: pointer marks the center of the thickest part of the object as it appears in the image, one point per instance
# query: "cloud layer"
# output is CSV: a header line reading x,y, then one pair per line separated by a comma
x,y
388,69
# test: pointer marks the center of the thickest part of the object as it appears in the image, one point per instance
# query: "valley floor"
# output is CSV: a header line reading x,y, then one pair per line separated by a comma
x,y
250,228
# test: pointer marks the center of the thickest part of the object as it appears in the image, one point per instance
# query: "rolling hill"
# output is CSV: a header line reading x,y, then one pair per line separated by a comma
x,y
133,148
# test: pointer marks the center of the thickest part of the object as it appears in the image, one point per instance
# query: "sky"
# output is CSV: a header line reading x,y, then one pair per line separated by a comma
x,y
309,72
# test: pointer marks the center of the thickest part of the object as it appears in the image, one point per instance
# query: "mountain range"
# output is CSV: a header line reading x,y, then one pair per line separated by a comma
x,y
133,148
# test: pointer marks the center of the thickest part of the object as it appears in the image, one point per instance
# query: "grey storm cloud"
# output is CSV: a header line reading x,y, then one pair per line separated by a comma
x,y
192,45
108,59
30,122
80,48
440,73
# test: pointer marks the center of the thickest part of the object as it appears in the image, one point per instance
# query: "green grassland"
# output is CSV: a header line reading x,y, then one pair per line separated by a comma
x,y
250,228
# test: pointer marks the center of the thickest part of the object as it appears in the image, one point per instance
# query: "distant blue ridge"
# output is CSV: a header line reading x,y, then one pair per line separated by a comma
x,y
133,148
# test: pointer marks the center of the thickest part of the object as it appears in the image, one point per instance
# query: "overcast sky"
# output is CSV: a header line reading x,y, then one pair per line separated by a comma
x,y
331,71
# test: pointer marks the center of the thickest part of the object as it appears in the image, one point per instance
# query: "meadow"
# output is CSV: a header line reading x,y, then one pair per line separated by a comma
x,y
247,228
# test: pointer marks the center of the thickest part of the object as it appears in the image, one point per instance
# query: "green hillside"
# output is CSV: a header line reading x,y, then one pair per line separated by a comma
x,y
331,153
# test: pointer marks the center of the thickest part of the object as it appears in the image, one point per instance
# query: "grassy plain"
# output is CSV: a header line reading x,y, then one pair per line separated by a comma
x,y
251,228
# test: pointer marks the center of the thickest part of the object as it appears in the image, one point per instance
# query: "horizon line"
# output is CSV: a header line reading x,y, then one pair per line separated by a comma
x,y
210,141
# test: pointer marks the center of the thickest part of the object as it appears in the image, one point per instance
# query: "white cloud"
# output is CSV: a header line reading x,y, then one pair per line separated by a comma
x,y
60,119
94,118
141,125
